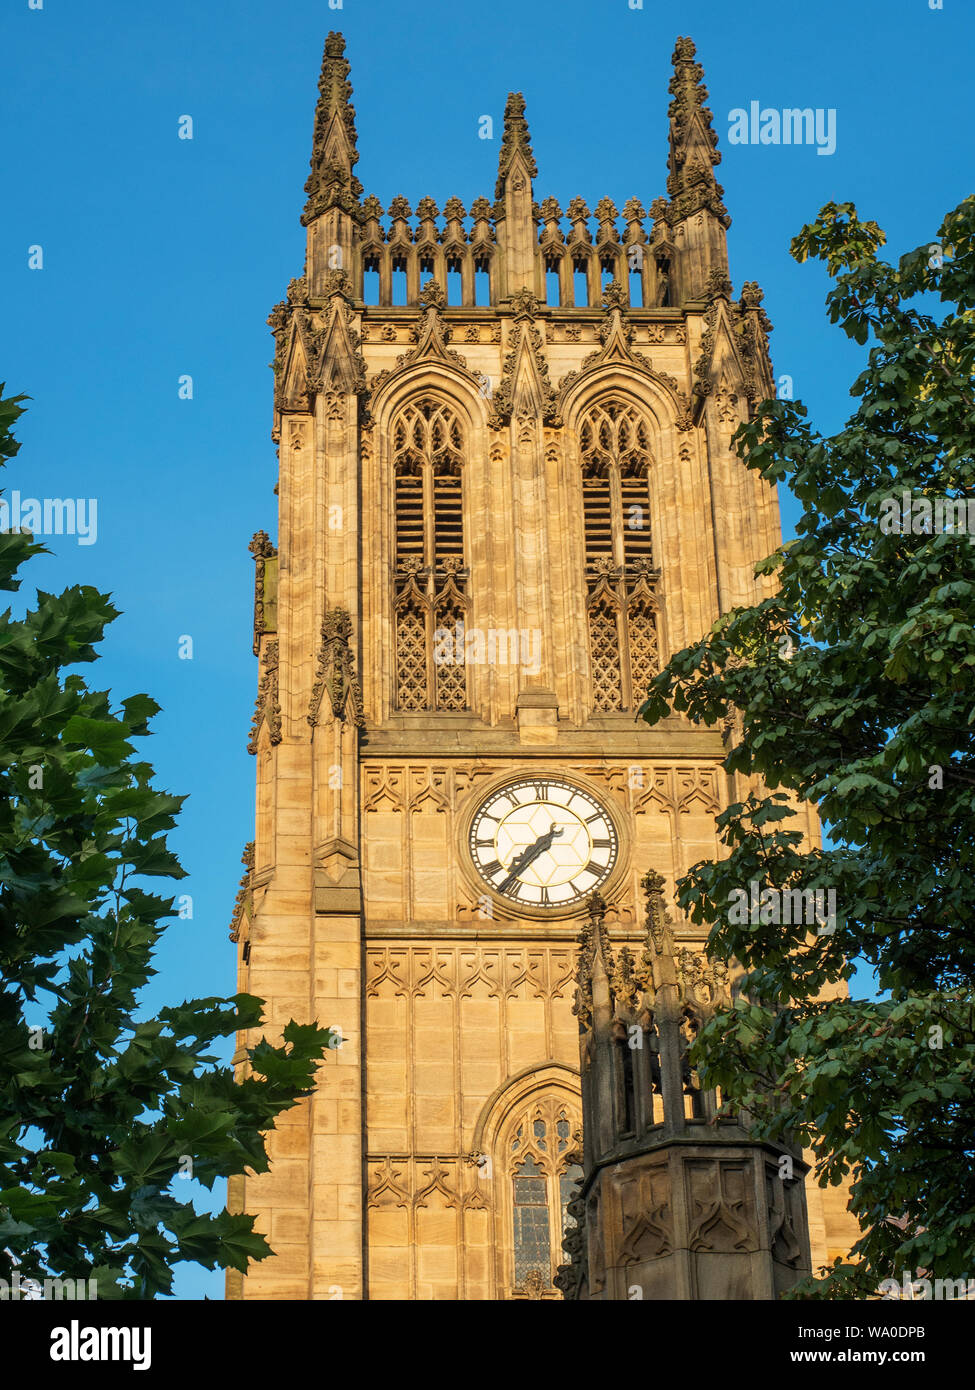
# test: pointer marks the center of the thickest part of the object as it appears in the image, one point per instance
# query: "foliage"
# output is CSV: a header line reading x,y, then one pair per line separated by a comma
x,y
102,1112
853,687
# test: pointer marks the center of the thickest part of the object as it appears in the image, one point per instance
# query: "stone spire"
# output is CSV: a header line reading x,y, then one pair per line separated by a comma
x,y
691,183
516,141
331,182
514,210
693,143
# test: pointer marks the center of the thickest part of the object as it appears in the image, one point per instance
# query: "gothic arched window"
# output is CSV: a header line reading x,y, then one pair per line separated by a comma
x,y
621,582
542,1172
431,599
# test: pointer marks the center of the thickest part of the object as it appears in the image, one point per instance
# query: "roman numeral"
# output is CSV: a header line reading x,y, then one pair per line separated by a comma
x,y
491,869
601,844
544,897
594,869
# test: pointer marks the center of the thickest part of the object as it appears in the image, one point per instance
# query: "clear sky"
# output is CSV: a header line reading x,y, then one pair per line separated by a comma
x,y
162,257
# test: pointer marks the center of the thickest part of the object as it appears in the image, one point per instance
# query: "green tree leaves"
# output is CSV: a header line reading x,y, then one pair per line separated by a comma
x,y
104,1115
868,711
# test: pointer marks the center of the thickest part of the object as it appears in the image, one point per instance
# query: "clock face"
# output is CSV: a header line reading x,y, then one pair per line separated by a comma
x,y
543,843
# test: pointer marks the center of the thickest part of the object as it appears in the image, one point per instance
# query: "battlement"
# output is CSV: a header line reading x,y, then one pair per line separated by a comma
x,y
486,253
577,253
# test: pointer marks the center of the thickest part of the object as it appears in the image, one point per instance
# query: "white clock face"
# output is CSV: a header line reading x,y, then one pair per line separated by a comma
x,y
543,843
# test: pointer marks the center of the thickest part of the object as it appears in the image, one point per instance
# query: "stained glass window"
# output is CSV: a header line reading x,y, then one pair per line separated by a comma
x,y
532,1239
567,1186
540,1146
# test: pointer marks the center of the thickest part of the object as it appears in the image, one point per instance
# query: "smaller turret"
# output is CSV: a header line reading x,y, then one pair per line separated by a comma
x,y
675,1202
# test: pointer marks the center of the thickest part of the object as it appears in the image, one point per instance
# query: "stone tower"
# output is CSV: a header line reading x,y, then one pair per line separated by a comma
x,y
506,493
675,1201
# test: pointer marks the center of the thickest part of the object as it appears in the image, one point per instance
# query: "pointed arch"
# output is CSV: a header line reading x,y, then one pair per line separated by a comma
x,y
527,1131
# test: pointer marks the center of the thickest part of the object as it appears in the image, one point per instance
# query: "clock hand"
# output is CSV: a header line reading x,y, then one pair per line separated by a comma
x,y
528,856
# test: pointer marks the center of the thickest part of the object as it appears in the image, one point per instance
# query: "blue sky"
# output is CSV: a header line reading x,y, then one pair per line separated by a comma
x,y
162,257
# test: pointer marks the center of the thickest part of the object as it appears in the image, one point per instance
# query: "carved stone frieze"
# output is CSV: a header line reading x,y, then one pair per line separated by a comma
x,y
464,972
417,1181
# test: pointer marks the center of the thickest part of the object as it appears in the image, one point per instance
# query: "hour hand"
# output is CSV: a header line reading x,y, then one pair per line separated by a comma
x,y
519,863
528,856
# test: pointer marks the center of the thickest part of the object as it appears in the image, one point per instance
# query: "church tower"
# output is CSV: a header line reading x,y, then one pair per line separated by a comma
x,y
506,495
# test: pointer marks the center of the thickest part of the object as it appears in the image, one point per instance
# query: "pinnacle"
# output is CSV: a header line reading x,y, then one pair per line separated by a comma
x,y
687,84
334,153
335,90
516,140
693,142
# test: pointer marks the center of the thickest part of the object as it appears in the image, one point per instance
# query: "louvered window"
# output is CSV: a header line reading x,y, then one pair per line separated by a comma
x,y
621,581
431,580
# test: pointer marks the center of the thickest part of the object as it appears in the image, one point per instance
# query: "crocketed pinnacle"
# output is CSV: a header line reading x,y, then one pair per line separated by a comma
x,y
693,142
331,182
595,960
516,140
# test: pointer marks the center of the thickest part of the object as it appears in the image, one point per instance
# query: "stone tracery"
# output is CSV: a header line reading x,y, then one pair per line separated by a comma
x,y
622,605
431,578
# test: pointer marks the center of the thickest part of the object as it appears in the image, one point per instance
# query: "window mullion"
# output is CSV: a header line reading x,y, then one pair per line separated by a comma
x,y
429,517
555,1218
619,557
616,505
429,560
626,684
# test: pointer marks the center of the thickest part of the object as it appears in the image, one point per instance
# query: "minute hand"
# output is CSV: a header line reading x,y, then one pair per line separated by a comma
x,y
528,856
